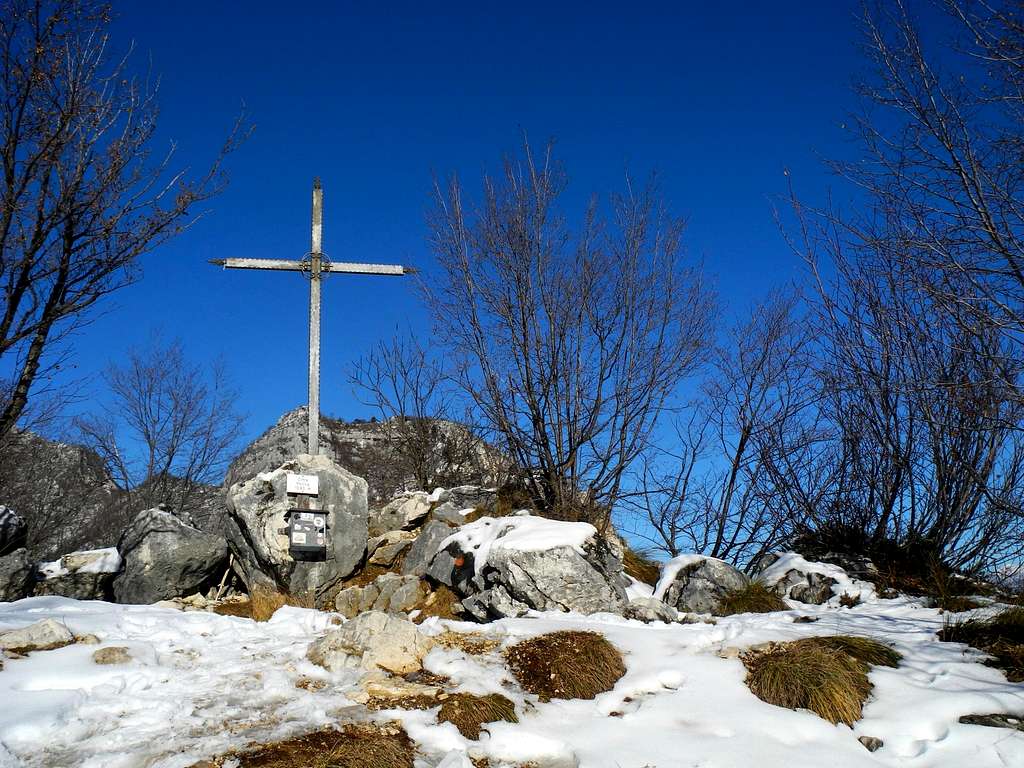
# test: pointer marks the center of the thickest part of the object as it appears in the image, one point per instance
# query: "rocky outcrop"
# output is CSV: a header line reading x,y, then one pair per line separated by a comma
x,y
13,531
87,575
696,584
166,558
257,510
425,548
509,566
790,575
372,641
386,549
401,513
16,576
389,593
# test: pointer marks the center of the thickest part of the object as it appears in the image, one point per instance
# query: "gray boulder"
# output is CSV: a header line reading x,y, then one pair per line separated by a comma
x,y
389,593
648,609
423,550
515,579
385,550
814,589
165,558
16,576
257,507
13,531
699,584
87,575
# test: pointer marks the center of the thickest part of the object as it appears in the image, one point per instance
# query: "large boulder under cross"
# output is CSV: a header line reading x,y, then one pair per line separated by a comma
x,y
257,515
510,565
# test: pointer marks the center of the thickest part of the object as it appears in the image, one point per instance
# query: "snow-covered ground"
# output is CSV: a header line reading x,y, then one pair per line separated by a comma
x,y
201,684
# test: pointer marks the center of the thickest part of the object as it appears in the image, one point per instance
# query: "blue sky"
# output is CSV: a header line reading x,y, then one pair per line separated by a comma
x,y
379,99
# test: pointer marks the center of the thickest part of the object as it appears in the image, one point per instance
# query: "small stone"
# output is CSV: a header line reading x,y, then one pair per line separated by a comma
x,y
87,640
871,743
114,654
805,619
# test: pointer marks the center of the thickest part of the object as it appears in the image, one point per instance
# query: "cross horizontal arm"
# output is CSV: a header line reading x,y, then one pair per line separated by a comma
x,y
243,263
298,266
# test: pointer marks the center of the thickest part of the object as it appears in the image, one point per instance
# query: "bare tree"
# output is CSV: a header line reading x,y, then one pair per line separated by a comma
x,y
718,495
411,395
82,196
567,345
169,429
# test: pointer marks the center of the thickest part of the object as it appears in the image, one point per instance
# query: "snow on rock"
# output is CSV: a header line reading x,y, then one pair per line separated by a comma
x,y
696,583
509,566
86,575
201,685
792,576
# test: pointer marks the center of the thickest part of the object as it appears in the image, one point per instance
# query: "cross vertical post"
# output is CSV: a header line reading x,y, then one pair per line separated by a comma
x,y
314,319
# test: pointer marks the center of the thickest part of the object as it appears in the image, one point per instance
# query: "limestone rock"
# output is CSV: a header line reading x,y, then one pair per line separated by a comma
x,y
583,576
871,743
384,550
166,558
16,575
1014,722
257,509
389,592
44,635
372,641
815,589
114,654
696,584
425,547
648,609
401,513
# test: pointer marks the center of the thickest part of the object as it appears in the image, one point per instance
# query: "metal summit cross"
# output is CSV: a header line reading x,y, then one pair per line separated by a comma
x,y
314,264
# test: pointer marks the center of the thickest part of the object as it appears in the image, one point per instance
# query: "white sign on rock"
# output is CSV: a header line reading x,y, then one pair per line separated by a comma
x,y
307,484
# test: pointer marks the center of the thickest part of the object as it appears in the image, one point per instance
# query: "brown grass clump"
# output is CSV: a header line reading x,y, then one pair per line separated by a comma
x,y
472,643
1001,637
264,602
566,665
355,747
830,683
468,712
753,598
240,608
378,703
442,602
640,567
827,675
871,652
849,601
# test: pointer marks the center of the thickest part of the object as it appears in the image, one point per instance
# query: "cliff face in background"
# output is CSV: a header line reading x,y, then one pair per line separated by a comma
x,y
363,448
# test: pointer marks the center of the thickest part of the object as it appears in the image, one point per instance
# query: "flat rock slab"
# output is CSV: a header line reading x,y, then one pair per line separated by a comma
x,y
44,635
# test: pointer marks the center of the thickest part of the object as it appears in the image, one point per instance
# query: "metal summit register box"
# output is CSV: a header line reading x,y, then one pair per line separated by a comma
x,y
307,527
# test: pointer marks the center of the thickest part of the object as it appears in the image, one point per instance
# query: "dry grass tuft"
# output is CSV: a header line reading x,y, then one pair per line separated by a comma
x,y
830,683
1002,637
355,747
753,598
442,602
566,665
264,602
849,601
827,675
468,712
871,652
472,643
640,567
378,703
241,608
